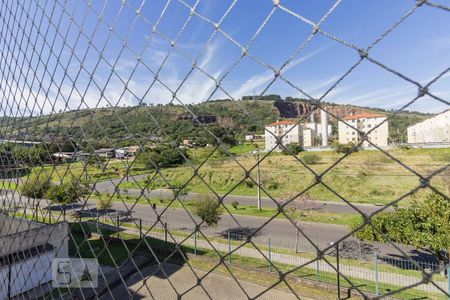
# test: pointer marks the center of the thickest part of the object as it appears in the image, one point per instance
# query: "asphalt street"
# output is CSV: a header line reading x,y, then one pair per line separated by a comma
x,y
281,231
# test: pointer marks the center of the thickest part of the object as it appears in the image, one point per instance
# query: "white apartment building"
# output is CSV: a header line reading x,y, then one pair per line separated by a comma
x,y
364,122
311,131
432,130
290,132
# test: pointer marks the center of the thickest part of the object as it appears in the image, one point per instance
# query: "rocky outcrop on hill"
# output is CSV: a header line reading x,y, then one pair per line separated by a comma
x,y
302,109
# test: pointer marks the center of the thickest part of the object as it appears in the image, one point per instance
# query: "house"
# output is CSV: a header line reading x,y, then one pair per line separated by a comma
x,y
105,152
288,131
63,157
125,152
249,137
364,122
432,130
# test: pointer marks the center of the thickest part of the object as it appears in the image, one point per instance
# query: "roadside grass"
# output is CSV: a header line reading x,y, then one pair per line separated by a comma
x,y
63,172
363,177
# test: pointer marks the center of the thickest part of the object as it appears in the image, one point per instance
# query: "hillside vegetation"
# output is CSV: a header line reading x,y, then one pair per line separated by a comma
x,y
227,119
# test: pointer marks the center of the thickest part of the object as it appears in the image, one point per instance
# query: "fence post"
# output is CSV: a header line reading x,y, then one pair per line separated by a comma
x,y
140,228
229,246
165,232
195,242
318,267
270,258
448,279
118,227
377,292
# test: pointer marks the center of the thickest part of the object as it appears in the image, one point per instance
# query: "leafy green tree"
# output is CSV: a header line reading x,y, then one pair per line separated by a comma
x,y
162,156
207,209
68,192
36,187
424,225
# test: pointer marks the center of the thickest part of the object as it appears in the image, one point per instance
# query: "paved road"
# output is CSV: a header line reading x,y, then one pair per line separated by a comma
x,y
280,231
323,206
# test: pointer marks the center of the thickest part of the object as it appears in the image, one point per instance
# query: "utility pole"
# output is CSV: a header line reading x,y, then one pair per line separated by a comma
x,y
258,179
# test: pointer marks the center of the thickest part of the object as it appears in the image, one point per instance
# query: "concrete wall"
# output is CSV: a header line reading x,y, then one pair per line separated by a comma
x,y
32,234
26,274
10,225
432,130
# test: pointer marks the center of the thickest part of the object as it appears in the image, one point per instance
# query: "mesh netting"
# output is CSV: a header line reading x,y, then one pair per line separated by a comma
x,y
104,155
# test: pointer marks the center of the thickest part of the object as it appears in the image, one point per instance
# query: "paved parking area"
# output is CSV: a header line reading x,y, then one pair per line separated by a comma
x,y
216,286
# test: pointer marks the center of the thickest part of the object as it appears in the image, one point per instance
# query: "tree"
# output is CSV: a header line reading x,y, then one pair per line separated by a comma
x,y
207,209
37,186
162,156
297,209
68,192
423,224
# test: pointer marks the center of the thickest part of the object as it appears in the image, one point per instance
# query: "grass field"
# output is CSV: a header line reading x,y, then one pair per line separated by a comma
x,y
363,177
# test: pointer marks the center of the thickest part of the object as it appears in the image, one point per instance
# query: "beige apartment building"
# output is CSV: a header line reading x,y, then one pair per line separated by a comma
x,y
313,131
432,130
364,122
288,131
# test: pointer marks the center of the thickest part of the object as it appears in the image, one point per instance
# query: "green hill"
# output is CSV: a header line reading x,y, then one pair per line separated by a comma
x,y
227,119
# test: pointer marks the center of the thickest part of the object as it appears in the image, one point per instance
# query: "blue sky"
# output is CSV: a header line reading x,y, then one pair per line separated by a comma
x,y
418,48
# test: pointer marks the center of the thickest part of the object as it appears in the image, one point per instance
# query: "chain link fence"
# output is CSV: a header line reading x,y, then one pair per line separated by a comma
x,y
171,213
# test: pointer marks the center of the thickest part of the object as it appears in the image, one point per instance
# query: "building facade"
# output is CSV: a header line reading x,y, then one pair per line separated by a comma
x,y
289,132
312,132
432,130
364,122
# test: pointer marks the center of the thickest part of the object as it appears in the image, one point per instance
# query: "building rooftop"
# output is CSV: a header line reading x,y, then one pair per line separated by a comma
x,y
285,122
364,115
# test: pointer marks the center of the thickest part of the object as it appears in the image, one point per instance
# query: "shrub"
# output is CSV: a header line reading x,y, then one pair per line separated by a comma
x,y
208,210
235,204
103,204
68,192
248,183
404,147
311,158
293,148
345,148
36,187
273,185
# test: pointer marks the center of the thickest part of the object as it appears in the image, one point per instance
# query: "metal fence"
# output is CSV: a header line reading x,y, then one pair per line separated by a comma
x,y
68,68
